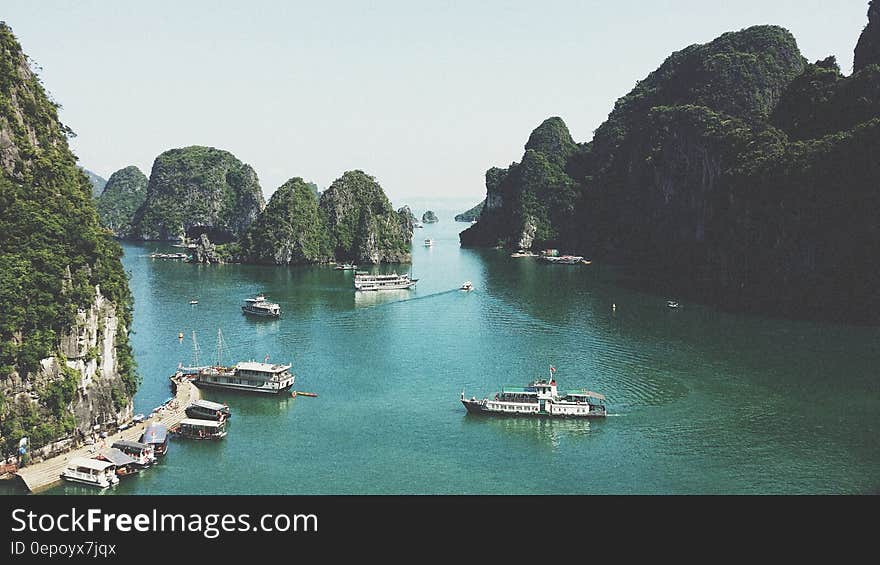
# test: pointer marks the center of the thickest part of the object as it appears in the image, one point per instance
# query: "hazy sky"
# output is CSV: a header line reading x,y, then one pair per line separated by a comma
x,y
425,96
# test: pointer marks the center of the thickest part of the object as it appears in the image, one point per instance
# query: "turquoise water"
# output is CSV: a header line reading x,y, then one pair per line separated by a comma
x,y
700,401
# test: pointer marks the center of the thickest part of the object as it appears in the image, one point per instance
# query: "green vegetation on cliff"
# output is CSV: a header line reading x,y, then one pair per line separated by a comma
x,y
363,227
291,229
195,190
53,251
123,194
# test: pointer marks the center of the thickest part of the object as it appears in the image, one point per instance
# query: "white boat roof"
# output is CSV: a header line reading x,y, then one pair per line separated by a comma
x,y
199,422
207,404
93,464
262,367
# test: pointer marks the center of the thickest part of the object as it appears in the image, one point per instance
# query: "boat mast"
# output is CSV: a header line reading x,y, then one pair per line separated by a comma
x,y
195,350
219,347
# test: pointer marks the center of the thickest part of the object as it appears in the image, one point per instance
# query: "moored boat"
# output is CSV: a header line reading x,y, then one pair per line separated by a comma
x,y
156,436
143,454
207,410
93,472
248,376
539,398
126,466
195,428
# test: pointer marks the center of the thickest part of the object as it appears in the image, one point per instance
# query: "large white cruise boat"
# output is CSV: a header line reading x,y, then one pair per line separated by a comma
x,y
539,398
265,377
248,376
366,281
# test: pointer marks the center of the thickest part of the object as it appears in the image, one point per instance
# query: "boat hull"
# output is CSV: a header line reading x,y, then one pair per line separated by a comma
x,y
242,388
260,314
479,407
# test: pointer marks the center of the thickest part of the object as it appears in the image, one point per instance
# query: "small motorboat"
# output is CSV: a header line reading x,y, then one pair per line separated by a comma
x,y
193,301
672,304
429,242
467,286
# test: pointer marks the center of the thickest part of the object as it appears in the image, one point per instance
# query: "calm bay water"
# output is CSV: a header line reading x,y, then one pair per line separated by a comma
x,y
700,401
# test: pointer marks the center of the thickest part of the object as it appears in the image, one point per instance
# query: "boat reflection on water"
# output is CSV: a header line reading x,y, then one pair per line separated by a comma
x,y
367,299
544,432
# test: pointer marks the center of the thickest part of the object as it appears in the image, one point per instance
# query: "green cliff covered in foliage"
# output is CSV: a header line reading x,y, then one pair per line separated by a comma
x,y
195,190
430,217
291,230
124,193
65,362
472,214
737,173
362,225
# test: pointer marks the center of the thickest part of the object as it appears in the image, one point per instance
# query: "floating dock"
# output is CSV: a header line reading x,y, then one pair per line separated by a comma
x,y
46,473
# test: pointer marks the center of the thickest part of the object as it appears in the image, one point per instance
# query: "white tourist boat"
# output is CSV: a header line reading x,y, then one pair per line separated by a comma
x,y
366,281
467,286
248,376
259,306
429,242
540,398
91,472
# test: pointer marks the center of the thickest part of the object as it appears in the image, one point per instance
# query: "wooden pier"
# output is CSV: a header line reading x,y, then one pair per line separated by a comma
x,y
46,473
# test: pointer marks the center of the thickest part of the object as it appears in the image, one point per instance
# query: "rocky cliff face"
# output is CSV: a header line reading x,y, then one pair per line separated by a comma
x,y
65,363
867,51
291,230
123,194
735,173
363,227
197,190
407,218
531,203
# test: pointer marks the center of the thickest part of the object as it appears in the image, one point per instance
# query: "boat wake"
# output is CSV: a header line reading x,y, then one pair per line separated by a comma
x,y
379,302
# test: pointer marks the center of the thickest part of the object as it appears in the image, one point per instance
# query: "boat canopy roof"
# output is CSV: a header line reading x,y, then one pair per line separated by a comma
x,y
116,456
262,367
130,445
155,433
201,423
208,405
93,464
588,393
518,390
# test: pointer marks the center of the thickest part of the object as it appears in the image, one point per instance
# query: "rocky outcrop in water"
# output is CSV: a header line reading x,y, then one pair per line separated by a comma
x,y
736,173
124,193
65,362
291,230
195,190
407,218
430,217
206,252
363,227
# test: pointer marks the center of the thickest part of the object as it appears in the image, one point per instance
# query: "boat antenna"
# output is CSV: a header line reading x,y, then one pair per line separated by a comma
x,y
195,350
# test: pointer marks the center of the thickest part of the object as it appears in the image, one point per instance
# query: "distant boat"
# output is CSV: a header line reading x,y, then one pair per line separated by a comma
x,y
429,242
672,304
467,286
346,267
417,225
193,301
